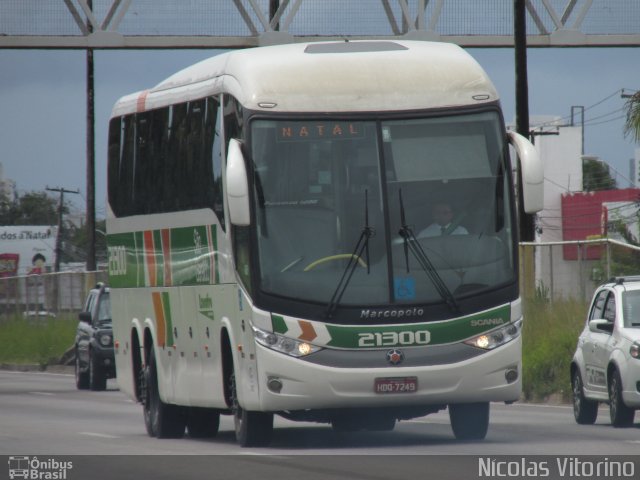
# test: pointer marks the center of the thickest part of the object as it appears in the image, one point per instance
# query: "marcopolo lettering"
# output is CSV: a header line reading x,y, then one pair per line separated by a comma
x,y
391,313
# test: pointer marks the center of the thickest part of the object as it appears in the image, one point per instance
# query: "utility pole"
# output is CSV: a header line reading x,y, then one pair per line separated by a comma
x,y
91,180
61,191
527,230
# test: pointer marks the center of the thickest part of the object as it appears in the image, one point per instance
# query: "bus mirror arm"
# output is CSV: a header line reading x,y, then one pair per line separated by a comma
x,y
237,185
531,173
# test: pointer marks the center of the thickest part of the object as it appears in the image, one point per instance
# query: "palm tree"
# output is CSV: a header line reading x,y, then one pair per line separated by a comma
x,y
632,123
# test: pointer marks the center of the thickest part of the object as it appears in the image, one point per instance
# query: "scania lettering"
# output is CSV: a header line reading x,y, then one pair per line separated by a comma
x,y
487,321
266,222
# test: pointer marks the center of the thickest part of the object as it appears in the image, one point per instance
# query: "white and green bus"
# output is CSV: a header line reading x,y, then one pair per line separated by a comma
x,y
268,242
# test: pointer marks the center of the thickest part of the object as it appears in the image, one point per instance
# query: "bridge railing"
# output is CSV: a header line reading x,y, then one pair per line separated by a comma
x,y
244,23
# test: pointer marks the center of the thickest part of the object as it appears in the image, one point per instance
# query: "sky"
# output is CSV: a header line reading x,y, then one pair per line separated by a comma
x,y
43,104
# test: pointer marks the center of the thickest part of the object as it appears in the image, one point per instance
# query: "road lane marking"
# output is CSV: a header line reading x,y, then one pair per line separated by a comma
x,y
44,394
99,435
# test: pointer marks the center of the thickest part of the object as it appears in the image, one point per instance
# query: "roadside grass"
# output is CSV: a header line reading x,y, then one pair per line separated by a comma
x,y
36,340
550,335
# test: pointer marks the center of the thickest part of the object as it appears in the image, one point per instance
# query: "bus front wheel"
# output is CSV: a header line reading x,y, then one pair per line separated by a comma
x,y
469,421
253,429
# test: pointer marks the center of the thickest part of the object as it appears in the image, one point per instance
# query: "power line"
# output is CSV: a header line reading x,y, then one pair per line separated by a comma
x,y
568,117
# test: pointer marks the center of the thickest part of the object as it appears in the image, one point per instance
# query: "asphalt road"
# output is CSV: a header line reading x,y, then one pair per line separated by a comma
x,y
44,414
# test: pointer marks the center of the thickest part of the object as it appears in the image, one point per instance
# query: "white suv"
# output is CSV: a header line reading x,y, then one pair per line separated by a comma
x,y
606,365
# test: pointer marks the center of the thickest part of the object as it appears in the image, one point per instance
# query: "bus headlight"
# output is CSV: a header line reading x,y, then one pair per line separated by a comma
x,y
282,344
495,338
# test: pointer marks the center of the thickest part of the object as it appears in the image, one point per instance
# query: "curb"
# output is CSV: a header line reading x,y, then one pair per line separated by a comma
x,y
34,367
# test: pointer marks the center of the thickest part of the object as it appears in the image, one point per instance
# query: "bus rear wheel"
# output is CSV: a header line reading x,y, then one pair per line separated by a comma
x,y
253,429
162,420
469,421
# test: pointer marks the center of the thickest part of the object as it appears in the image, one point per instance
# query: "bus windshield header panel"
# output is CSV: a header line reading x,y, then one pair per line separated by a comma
x,y
406,212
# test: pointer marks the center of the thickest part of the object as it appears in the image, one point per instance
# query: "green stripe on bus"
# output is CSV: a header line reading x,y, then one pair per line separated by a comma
x,y
192,260
278,324
214,239
450,331
439,333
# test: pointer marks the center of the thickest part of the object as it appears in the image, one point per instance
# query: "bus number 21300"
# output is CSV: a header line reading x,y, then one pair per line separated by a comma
x,y
392,339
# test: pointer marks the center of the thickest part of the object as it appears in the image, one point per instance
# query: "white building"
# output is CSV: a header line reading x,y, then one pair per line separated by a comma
x,y
7,187
560,149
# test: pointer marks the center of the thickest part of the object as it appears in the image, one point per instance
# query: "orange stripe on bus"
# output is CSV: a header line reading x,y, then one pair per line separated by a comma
x,y
150,254
140,103
161,329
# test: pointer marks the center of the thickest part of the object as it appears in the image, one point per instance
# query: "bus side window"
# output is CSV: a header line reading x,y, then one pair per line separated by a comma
x,y
214,128
127,162
116,128
232,114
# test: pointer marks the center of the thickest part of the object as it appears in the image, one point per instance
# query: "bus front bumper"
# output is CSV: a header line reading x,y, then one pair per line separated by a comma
x,y
287,383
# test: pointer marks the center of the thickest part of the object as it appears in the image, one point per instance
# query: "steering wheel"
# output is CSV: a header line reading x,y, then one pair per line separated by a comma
x,y
331,258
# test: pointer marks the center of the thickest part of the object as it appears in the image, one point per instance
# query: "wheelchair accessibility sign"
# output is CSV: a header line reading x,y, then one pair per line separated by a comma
x,y
38,469
404,288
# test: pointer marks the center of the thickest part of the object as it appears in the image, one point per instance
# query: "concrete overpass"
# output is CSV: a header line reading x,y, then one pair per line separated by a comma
x,y
110,24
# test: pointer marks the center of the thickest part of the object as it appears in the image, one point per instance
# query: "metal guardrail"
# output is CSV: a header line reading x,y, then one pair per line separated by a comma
x,y
573,269
245,23
47,294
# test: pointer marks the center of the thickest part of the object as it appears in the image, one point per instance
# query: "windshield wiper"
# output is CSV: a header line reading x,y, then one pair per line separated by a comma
x,y
411,243
362,245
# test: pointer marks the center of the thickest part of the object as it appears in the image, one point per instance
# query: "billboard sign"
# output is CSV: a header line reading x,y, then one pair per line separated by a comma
x,y
27,249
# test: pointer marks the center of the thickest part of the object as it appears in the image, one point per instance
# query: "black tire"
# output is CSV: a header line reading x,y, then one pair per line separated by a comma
x,y
82,378
585,411
203,422
253,429
162,420
469,421
621,415
97,375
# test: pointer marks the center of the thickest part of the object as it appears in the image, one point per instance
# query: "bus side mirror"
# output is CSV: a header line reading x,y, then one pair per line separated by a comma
x,y
531,173
237,186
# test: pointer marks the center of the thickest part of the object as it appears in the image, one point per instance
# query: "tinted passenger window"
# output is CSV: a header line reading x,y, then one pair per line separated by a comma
x,y
163,160
598,306
610,308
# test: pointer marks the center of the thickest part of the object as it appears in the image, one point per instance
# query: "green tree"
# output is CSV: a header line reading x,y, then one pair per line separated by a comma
x,y
76,244
596,176
632,123
7,210
32,208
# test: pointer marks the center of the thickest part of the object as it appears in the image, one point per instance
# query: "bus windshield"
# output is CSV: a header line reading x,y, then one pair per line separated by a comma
x,y
433,193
